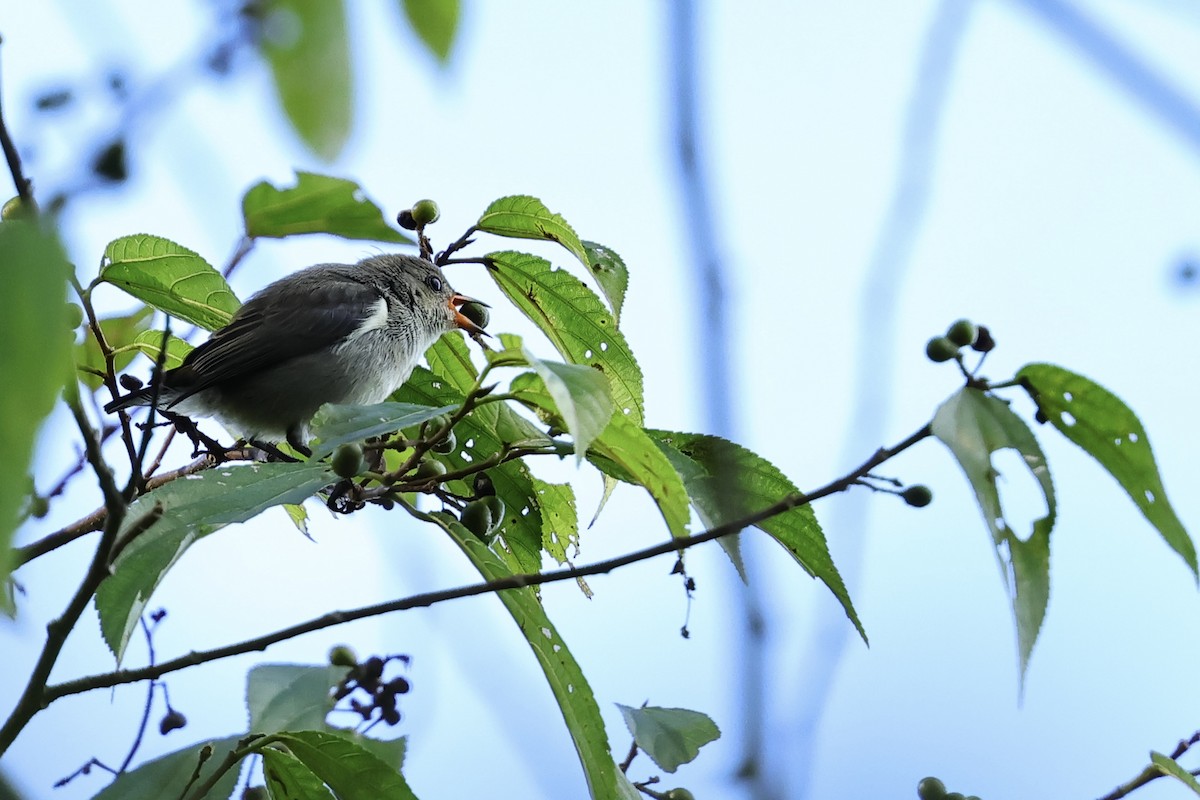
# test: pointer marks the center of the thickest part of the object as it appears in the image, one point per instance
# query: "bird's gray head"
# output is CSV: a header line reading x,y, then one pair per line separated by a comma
x,y
418,290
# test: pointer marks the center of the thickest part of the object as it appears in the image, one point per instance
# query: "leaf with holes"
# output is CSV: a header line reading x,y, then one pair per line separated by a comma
x,y
562,671
308,50
974,425
337,425
171,278
165,522
726,482
435,22
316,204
560,523
574,319
670,736
119,335
524,217
610,272
1107,430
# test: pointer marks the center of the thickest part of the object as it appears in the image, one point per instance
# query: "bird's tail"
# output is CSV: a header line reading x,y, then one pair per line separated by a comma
x,y
141,397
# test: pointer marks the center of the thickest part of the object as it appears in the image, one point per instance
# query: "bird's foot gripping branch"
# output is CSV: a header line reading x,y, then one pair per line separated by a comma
x,y
360,376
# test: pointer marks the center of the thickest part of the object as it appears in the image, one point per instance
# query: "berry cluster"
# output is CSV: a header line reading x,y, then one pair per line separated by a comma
x,y
962,333
933,789
367,677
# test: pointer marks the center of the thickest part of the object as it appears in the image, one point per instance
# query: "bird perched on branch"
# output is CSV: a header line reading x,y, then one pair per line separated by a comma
x,y
331,333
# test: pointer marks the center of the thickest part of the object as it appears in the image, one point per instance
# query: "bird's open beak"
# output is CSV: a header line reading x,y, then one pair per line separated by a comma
x,y
460,320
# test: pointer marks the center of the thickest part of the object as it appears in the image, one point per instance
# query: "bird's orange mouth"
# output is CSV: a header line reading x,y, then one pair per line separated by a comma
x,y
460,320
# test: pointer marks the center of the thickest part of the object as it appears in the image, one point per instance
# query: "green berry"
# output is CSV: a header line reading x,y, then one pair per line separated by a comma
x,y
74,316
955,796
347,460
477,313
931,789
429,470
917,495
342,656
425,212
496,506
939,349
679,793
962,333
38,506
477,518
15,208
446,444
255,793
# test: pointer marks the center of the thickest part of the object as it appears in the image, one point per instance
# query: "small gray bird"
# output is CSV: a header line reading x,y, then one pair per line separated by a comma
x,y
332,333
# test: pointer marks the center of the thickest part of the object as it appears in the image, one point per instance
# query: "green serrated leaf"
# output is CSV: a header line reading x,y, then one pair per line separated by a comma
x,y
435,22
167,776
560,524
298,515
188,509
171,278
119,333
306,45
481,434
670,736
974,425
449,358
149,343
338,425
1174,769
627,453
350,770
1096,420
316,204
566,679
524,217
35,362
726,482
610,272
581,396
288,779
574,319
282,697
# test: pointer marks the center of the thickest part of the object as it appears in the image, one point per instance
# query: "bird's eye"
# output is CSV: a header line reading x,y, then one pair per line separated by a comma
x,y
433,282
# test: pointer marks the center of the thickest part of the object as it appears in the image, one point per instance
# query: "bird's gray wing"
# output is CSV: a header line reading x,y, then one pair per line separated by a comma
x,y
286,320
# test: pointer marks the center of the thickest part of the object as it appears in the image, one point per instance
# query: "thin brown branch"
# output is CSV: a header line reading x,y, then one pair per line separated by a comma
x,y
1151,772
426,599
22,184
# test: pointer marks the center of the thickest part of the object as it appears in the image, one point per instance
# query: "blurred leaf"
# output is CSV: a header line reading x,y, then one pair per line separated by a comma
x,y
171,278
560,525
190,508
288,779
610,272
35,362
975,425
298,514
306,45
166,776
338,425
119,334
1108,430
316,204
481,434
575,321
581,396
148,343
670,736
727,482
1170,766
566,679
436,22
283,697
524,217
350,770
627,453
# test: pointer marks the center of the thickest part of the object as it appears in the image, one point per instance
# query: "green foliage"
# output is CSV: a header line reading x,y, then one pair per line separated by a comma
x,y
1174,769
149,343
624,451
288,777
435,22
670,736
610,272
162,524
524,217
171,278
975,425
350,770
120,333
35,361
335,426
581,396
1096,420
316,204
307,49
175,769
727,482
